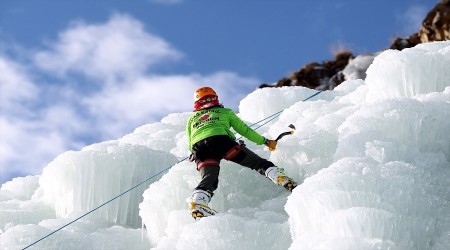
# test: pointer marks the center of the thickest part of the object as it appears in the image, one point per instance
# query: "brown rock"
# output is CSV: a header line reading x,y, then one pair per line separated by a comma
x,y
436,26
325,75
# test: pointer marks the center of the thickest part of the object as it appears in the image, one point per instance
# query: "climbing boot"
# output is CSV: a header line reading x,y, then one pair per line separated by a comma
x,y
198,204
278,176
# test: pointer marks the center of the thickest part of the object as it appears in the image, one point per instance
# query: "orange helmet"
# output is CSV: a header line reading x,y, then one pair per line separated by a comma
x,y
205,97
202,92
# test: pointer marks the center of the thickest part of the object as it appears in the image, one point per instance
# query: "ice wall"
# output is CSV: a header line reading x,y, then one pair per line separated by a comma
x,y
77,182
387,184
412,71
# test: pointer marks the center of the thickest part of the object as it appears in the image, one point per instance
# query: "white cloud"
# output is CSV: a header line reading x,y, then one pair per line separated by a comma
x,y
116,49
15,87
30,133
26,146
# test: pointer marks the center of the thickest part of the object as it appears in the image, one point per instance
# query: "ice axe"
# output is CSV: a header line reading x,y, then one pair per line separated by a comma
x,y
284,134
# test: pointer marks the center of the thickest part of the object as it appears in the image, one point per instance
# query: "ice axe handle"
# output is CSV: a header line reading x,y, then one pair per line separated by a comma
x,y
286,133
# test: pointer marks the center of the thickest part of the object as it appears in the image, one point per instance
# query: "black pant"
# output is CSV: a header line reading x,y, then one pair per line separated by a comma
x,y
216,147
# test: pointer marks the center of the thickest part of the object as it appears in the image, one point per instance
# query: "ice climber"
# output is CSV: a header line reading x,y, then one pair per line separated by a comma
x,y
210,140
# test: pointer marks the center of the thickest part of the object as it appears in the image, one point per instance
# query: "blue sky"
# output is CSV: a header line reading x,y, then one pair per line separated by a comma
x,y
74,73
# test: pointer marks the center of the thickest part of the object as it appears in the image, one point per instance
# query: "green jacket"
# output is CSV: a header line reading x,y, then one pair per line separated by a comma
x,y
218,121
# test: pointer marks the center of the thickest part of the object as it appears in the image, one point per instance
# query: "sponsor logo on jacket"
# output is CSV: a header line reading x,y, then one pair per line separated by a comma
x,y
205,119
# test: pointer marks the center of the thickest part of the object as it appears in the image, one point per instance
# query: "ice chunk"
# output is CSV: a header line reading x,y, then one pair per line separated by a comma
x,y
360,204
79,235
357,67
267,101
160,135
17,212
81,181
21,188
167,218
419,70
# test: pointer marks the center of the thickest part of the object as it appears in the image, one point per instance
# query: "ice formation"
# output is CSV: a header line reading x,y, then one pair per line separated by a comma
x,y
373,155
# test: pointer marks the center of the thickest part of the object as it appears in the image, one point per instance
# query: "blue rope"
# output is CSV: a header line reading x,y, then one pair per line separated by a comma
x,y
269,118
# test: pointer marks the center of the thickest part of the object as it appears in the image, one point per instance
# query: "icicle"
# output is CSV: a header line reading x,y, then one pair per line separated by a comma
x,y
142,228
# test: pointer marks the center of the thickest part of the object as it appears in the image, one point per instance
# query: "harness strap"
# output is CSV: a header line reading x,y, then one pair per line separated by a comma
x,y
232,152
207,162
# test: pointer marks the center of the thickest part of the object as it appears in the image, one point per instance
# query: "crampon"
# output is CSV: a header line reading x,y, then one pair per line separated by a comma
x,y
289,184
199,211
